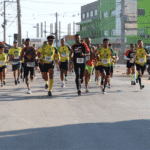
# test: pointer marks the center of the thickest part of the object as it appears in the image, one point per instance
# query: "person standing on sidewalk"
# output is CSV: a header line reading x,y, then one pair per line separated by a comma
x,y
29,55
78,55
14,54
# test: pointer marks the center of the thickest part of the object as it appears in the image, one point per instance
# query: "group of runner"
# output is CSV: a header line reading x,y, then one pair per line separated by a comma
x,y
82,57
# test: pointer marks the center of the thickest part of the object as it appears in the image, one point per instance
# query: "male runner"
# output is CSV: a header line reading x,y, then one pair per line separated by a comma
x,y
140,61
36,62
3,62
79,51
48,51
105,54
14,54
97,64
29,55
131,64
112,63
89,63
63,52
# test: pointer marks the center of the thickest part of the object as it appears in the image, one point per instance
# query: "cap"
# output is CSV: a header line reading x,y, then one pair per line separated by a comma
x,y
15,41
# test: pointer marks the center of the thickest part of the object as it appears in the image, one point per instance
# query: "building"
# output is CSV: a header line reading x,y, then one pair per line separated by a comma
x,y
108,22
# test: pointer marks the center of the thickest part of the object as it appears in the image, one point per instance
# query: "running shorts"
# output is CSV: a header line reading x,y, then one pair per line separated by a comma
x,y
16,66
106,69
27,70
141,68
46,67
111,69
129,65
41,67
89,68
64,66
1,68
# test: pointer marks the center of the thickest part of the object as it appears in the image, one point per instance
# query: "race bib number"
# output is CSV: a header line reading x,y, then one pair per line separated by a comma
x,y
30,64
2,63
80,60
88,58
15,62
104,61
64,55
48,58
141,60
16,56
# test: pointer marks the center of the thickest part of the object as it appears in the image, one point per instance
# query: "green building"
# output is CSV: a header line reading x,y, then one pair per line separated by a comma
x,y
108,22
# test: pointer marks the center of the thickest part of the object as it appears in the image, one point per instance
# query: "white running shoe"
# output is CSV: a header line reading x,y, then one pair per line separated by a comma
x,y
63,85
29,91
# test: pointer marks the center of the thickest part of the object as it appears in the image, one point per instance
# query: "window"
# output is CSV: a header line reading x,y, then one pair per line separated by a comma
x,y
95,12
87,15
141,12
83,16
100,14
84,28
91,13
105,32
113,32
100,2
113,13
105,14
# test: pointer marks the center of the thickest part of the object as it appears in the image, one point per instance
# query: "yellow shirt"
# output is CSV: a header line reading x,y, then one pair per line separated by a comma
x,y
104,56
140,56
3,60
14,51
63,52
47,52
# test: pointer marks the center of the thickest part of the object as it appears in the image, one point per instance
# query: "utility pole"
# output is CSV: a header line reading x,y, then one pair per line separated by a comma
x,y
4,23
41,29
59,30
73,28
122,28
27,34
56,28
45,28
19,23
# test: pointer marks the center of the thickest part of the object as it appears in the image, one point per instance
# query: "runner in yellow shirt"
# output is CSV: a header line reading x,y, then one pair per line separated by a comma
x,y
14,54
141,54
63,52
3,63
105,54
48,51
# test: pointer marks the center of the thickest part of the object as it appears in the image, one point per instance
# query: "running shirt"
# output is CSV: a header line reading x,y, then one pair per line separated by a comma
x,y
6,61
130,54
77,49
64,52
105,56
3,59
48,52
140,56
16,53
111,60
29,58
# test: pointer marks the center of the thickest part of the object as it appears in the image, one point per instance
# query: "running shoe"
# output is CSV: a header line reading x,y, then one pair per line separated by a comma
x,y
134,83
103,91
46,86
79,92
137,81
63,85
4,82
142,86
15,82
1,84
18,81
131,82
49,93
86,91
29,91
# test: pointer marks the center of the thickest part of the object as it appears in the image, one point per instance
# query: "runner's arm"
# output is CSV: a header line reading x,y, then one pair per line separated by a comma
x,y
22,55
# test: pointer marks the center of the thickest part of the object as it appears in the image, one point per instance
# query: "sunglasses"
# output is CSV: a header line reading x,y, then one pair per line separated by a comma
x,y
50,40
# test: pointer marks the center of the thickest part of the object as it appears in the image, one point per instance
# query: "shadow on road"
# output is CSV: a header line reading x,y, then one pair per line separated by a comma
x,y
126,135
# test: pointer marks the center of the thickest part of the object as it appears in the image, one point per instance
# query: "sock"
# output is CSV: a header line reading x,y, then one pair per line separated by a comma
x,y
63,82
139,77
99,77
28,88
134,77
50,84
65,76
131,77
46,82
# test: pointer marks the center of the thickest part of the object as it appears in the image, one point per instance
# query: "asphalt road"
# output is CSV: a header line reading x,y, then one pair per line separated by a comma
x,y
118,120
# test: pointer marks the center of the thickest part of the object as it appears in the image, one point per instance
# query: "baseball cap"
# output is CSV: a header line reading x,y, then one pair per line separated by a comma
x,y
15,41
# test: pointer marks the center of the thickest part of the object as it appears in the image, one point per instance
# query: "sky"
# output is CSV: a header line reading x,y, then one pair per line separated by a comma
x,y
37,11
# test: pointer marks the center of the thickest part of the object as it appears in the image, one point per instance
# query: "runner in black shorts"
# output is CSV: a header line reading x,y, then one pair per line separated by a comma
x,y
29,54
131,63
